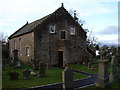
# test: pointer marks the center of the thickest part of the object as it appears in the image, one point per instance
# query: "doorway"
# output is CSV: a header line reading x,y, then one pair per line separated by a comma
x,y
60,58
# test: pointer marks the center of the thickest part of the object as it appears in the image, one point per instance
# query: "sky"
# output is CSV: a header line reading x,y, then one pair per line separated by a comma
x,y
100,16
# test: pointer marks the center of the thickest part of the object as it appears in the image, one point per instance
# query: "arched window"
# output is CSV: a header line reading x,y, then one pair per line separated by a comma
x,y
27,51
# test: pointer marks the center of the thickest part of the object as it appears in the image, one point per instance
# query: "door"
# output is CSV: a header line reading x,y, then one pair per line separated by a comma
x,y
60,57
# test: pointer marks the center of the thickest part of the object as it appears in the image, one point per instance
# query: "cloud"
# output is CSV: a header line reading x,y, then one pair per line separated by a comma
x,y
14,13
110,30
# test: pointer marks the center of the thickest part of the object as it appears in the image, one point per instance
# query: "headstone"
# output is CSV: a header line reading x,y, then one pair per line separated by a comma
x,y
67,77
26,74
113,74
89,65
13,75
15,57
35,63
103,77
42,69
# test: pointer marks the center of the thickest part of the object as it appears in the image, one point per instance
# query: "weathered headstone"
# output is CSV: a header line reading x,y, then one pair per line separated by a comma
x,y
18,64
15,57
67,77
35,63
13,75
103,77
26,74
89,65
113,74
42,69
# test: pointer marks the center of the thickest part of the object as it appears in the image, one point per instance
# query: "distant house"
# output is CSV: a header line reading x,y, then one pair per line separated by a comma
x,y
57,39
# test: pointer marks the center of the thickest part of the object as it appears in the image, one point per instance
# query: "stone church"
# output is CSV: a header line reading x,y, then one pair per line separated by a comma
x,y
57,39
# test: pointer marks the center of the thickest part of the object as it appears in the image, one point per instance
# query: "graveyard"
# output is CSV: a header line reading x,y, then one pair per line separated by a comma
x,y
52,75
102,71
56,51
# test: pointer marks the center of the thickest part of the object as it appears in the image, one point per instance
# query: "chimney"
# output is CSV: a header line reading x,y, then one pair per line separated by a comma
x,y
75,17
62,5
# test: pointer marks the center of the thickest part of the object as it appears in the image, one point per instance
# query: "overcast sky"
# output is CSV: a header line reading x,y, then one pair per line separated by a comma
x,y
100,16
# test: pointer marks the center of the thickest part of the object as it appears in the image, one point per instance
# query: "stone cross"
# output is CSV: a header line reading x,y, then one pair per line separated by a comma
x,y
26,74
113,74
67,77
103,77
42,69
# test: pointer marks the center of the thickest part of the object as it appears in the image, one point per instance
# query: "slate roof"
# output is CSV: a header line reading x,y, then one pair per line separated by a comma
x,y
28,27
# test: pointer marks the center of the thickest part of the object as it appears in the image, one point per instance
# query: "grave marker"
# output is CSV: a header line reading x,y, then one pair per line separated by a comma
x,y
67,76
103,78
113,74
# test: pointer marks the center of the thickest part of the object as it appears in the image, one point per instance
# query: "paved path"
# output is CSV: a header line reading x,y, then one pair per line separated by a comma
x,y
77,83
90,80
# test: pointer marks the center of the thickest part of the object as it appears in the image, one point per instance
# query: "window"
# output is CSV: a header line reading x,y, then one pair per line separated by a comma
x,y
14,44
72,30
63,35
20,47
52,28
27,51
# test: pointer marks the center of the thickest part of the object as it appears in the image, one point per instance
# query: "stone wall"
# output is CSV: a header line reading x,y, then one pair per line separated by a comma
x,y
47,45
26,40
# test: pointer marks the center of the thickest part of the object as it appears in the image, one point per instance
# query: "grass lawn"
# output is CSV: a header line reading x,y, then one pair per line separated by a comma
x,y
53,75
85,68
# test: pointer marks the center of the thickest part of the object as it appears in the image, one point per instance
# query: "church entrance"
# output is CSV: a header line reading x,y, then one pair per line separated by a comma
x,y
60,58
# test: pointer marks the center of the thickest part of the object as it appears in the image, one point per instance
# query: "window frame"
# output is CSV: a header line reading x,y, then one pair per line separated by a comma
x,y
64,34
72,30
52,26
27,51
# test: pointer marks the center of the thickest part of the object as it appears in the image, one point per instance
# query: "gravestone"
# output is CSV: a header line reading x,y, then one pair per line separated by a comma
x,y
103,77
113,74
89,65
35,63
42,69
13,75
15,58
26,74
67,77
18,64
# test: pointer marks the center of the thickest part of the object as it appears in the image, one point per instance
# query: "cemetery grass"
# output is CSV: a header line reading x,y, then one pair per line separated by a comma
x,y
53,75
84,68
